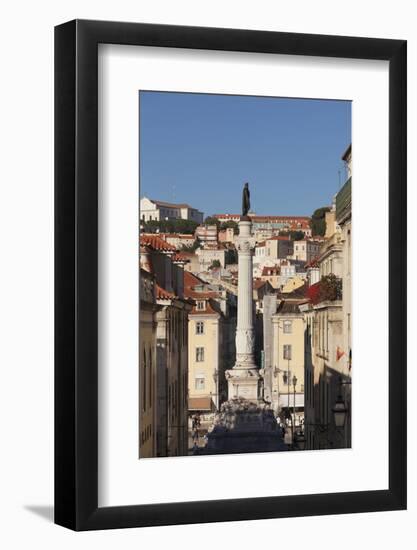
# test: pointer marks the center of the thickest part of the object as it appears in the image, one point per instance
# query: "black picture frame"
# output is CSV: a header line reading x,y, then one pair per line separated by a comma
x,y
76,272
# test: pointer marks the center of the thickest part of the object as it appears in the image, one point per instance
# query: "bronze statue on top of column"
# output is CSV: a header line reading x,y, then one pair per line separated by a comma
x,y
245,201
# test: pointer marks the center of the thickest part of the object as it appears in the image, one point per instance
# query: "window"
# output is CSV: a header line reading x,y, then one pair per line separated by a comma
x,y
199,327
199,354
200,382
201,305
287,351
287,327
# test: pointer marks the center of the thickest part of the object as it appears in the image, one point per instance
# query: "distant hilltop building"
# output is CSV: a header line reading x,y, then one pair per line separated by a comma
x,y
178,240
272,223
207,233
306,250
156,210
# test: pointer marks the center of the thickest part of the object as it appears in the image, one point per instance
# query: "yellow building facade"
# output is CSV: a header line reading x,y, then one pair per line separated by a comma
x,y
211,345
147,366
288,360
203,357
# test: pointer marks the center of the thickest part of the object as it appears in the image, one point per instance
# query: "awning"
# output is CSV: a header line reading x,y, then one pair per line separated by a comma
x,y
299,400
200,404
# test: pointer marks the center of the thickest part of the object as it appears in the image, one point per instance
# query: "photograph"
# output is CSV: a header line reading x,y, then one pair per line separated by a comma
x,y
245,227
182,290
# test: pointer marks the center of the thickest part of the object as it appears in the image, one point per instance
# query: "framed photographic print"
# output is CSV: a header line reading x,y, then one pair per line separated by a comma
x,y
230,275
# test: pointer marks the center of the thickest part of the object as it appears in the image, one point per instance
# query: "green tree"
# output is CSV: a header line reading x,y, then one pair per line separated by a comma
x,y
187,227
150,226
231,256
330,288
234,225
214,264
318,222
297,235
293,235
210,220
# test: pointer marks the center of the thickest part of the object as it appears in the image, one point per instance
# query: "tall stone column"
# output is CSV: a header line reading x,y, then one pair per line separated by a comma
x,y
244,378
245,339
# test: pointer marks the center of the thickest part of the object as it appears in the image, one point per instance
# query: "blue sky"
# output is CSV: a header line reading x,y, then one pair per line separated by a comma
x,y
201,148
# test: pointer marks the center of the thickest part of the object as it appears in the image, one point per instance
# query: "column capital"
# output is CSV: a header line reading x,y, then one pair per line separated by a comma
x,y
244,246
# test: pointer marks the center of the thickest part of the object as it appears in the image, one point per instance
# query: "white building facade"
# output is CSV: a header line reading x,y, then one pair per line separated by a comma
x,y
155,210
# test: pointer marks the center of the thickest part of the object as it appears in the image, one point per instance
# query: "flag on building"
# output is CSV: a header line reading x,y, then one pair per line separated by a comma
x,y
339,353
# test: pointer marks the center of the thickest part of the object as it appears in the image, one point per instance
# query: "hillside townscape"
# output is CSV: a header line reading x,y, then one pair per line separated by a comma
x,y
288,385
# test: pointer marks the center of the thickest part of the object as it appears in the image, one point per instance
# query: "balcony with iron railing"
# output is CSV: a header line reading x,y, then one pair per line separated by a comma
x,y
344,202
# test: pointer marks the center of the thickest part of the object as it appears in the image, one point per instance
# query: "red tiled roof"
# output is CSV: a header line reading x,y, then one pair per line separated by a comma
x,y
162,294
266,271
179,257
279,238
258,283
209,309
191,280
302,222
156,243
265,218
196,295
279,218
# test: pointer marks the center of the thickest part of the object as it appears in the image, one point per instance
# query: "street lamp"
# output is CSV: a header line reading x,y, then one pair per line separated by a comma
x,y
300,440
339,412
